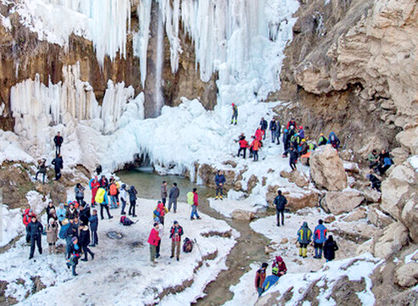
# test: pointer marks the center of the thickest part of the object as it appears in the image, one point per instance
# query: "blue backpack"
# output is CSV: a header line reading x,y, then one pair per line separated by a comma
x,y
63,231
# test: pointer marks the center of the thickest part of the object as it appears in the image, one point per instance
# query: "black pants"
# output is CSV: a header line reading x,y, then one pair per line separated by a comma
x,y
255,153
43,176
219,190
132,208
94,238
164,200
242,150
87,250
292,164
107,209
33,240
57,149
280,213
79,200
57,174
157,251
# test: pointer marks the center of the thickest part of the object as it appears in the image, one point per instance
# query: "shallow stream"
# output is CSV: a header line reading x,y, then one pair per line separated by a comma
x,y
249,247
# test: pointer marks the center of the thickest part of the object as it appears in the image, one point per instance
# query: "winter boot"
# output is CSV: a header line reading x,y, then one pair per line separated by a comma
x,y
304,252
221,197
300,252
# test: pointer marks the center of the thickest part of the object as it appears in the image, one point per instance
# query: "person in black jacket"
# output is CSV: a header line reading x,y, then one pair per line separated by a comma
x,y
58,140
34,230
132,200
41,170
58,165
50,209
330,247
280,201
84,213
85,241
293,157
263,126
172,197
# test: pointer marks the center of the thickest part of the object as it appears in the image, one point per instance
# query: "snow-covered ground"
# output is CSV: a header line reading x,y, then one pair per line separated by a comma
x,y
122,267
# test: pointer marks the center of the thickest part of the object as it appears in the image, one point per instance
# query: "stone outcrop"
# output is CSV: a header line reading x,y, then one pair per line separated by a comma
x,y
393,239
407,275
337,202
240,214
327,169
377,217
295,177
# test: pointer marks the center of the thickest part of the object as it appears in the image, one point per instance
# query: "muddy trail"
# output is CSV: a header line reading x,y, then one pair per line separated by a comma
x,y
249,246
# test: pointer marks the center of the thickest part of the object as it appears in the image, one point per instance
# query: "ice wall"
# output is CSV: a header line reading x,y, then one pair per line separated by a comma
x,y
104,22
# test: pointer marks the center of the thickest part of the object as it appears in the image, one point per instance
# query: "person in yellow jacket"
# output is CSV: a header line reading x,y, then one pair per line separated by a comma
x,y
304,238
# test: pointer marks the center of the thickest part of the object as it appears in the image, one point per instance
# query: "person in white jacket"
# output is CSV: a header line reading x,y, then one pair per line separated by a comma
x,y
124,198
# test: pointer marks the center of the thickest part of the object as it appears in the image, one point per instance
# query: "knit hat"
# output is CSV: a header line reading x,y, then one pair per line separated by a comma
x,y
175,222
73,239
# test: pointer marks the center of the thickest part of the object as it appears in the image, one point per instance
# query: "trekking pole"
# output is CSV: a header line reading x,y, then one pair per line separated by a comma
x,y
200,251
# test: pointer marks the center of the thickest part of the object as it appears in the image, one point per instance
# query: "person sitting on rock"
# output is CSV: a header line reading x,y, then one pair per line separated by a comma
x,y
260,277
280,264
322,140
304,238
384,162
271,280
333,140
330,247
376,183
373,159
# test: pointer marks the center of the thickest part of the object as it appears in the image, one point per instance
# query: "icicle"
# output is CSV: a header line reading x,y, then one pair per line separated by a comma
x,y
142,37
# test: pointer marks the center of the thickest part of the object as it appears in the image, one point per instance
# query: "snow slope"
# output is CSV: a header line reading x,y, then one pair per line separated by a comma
x,y
121,268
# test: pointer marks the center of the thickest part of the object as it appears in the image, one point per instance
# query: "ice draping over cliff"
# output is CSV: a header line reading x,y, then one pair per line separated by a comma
x,y
104,22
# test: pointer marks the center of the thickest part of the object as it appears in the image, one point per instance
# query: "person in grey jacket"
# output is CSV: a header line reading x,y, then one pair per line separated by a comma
x,y
173,196
79,193
164,192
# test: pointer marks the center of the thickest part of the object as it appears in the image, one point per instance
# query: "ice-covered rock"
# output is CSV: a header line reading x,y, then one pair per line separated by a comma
x,y
337,202
377,217
295,177
327,170
355,215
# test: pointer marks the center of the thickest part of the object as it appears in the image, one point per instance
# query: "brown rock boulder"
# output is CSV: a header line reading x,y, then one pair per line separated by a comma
x,y
393,239
337,202
240,214
301,199
357,214
295,177
407,275
327,170
377,217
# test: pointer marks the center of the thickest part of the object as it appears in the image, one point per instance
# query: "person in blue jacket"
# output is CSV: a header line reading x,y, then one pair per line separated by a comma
x,y
271,279
333,140
320,236
219,181
94,224
61,212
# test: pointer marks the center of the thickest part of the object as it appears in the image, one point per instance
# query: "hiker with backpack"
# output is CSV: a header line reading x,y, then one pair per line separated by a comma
x,y
320,235
35,230
280,265
103,200
176,232
280,202
41,169
132,201
219,181
187,245
123,198
330,246
333,140
52,235
94,224
73,255
304,238
113,191
234,118
85,241
271,279
126,221
172,197
153,240
193,200
260,277
79,193
58,140
160,212
93,185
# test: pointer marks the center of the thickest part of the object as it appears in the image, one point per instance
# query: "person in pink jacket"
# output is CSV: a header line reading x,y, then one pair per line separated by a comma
x,y
153,239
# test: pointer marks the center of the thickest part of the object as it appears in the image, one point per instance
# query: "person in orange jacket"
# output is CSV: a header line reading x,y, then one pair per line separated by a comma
x,y
255,146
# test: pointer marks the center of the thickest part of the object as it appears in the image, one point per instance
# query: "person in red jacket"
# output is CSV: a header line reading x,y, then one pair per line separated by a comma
x,y
255,146
291,122
94,185
195,205
259,134
260,276
279,263
153,239
243,145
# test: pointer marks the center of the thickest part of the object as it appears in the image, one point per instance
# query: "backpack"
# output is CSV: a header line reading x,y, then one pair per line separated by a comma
x,y
100,195
187,245
63,231
113,190
190,198
126,221
157,213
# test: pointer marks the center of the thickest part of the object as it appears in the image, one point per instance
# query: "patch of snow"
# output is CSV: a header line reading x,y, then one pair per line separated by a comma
x,y
227,206
409,257
413,160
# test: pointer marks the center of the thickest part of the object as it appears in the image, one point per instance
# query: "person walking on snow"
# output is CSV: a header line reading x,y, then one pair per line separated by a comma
x,y
164,192
273,128
94,224
79,193
52,235
173,196
258,134
123,198
74,255
85,241
41,169
219,181
255,146
260,276
263,126
280,202
280,264
304,238
193,200
58,140
93,185
293,157
58,165
113,192
320,235
176,232
153,239
243,145
132,200
271,279
34,230
286,142
160,212
234,118
102,199
330,246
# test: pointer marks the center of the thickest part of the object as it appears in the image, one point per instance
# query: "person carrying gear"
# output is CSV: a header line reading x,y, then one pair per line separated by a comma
x,y
304,238
234,118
